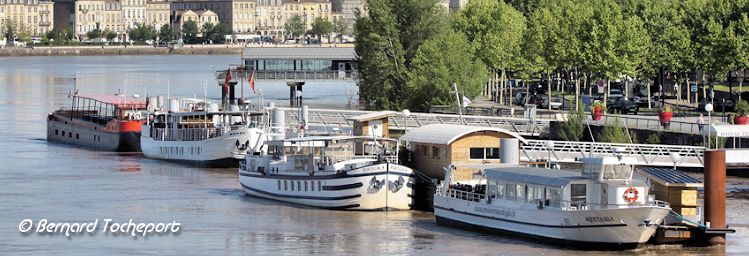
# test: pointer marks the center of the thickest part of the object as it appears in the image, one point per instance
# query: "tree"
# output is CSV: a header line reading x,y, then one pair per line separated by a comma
x,y
737,36
496,30
142,33
295,26
614,133
439,62
190,31
95,33
109,34
387,40
340,28
10,31
321,27
165,33
216,33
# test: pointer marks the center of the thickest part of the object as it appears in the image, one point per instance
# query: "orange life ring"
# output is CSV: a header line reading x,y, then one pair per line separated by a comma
x,y
631,195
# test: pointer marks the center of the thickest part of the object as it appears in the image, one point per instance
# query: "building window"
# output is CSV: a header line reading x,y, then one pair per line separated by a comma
x,y
484,153
436,152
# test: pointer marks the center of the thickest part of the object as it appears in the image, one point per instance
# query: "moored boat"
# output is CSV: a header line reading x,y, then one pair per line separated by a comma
x,y
332,172
600,206
103,122
199,133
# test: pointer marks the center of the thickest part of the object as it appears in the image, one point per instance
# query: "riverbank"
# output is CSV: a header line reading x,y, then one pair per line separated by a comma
x,y
120,50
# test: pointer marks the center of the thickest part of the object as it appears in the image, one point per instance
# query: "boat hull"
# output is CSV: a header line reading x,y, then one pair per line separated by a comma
x,y
376,187
117,136
221,151
619,228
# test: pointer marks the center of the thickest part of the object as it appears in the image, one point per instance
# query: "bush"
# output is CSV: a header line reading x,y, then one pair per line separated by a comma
x,y
654,138
573,128
742,107
614,134
598,104
666,108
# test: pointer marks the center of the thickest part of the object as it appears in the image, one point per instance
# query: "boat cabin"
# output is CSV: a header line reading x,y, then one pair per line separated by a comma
x,y
100,108
603,183
199,121
434,146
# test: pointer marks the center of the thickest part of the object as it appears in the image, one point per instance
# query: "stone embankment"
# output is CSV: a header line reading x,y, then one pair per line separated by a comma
x,y
120,50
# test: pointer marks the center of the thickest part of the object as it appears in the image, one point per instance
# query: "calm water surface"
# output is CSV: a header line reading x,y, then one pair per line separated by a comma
x,y
40,180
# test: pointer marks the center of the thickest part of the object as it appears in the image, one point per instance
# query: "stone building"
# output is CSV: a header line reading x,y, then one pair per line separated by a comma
x,y
98,14
199,16
270,18
157,13
309,10
34,17
243,16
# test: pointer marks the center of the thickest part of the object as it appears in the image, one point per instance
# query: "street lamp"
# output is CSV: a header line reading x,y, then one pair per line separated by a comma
x,y
709,109
406,113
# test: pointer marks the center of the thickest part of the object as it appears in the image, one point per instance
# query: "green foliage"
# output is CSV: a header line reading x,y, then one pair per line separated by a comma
x,y
666,108
321,27
438,63
495,30
142,33
93,34
165,33
614,133
387,40
216,33
190,32
10,30
295,26
574,127
742,108
712,143
109,34
654,138
598,104
340,27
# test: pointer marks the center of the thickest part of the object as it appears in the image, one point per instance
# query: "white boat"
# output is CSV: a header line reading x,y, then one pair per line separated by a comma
x,y
332,172
201,136
601,207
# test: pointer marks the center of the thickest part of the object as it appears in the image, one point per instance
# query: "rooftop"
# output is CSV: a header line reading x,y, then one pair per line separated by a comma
x,y
444,134
372,116
117,100
300,52
539,176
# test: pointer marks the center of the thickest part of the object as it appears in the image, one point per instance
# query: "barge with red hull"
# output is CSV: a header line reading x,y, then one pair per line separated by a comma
x,y
102,122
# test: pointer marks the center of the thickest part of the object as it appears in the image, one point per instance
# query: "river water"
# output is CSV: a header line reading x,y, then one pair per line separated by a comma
x,y
41,180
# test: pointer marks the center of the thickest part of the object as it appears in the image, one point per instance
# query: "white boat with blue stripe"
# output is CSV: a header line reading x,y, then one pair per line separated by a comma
x,y
331,172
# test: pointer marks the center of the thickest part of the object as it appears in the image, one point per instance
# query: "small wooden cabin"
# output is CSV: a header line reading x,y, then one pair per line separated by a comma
x,y
373,124
435,146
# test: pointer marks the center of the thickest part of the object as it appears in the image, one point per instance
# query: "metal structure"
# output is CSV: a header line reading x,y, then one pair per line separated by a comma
x,y
646,154
339,118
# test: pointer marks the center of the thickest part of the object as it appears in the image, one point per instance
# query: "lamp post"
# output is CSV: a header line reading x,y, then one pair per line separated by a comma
x,y
406,113
709,109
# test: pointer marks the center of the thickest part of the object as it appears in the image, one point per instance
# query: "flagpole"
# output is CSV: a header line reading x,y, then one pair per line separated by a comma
x,y
244,74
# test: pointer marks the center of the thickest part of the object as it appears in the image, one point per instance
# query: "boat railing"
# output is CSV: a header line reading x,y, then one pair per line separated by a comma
x,y
463,195
582,206
328,160
185,134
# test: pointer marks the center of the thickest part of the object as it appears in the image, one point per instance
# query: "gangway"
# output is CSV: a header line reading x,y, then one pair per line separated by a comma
x,y
339,118
647,154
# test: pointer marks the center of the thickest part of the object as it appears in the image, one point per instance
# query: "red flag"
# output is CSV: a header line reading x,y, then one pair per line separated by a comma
x,y
226,82
252,80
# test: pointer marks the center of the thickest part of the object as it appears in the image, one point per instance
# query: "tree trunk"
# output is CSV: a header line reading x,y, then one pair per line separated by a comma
x,y
587,85
527,93
502,84
548,82
650,99
608,91
577,91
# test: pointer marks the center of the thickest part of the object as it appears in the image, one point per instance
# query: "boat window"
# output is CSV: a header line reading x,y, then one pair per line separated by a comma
x,y
305,185
435,152
535,193
424,150
299,185
484,153
510,191
285,185
501,189
554,197
63,133
591,170
279,185
519,193
56,132
492,189
578,194
615,172
319,185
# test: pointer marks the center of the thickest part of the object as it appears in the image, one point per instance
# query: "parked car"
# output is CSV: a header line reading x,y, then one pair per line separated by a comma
x,y
615,93
620,104
519,98
538,100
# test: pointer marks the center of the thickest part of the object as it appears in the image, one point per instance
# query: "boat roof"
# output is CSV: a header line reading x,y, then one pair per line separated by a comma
x,y
115,99
373,116
530,175
444,134
670,177
200,113
309,139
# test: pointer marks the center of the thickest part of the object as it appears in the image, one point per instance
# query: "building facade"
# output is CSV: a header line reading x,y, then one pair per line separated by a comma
x,y
309,10
158,13
349,8
243,16
33,17
199,16
98,14
269,18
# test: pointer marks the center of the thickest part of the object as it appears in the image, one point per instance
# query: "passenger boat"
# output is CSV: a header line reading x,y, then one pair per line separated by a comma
x,y
103,122
199,133
332,172
601,206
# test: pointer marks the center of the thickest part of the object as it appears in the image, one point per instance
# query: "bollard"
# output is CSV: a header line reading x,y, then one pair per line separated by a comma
x,y
715,194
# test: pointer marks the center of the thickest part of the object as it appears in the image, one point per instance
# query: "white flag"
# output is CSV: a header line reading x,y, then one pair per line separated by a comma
x,y
466,101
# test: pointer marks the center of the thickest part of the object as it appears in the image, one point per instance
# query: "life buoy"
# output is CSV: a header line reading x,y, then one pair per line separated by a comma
x,y
631,195
137,116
